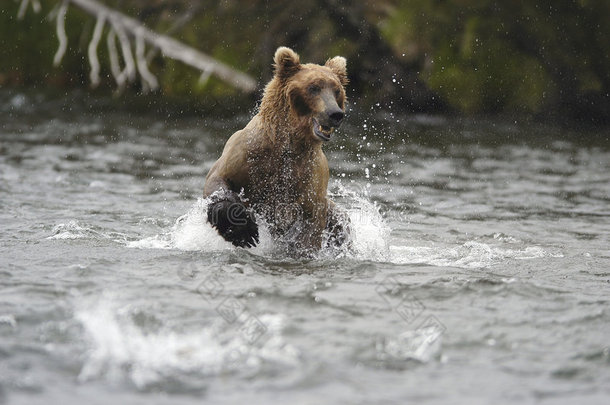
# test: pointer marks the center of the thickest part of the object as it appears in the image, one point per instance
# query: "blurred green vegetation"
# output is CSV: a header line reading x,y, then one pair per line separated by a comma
x,y
469,56
488,55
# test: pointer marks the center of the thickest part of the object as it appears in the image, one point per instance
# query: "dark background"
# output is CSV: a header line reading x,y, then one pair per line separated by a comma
x,y
541,58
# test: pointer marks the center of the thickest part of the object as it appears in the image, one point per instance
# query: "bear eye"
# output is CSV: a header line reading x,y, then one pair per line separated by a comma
x,y
313,89
337,93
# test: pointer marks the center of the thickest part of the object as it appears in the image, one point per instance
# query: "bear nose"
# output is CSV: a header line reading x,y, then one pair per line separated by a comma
x,y
336,118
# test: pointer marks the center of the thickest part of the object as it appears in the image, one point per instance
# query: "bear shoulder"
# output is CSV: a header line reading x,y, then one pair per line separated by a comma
x,y
231,169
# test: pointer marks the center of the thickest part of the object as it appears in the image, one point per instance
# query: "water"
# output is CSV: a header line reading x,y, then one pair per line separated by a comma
x,y
480,272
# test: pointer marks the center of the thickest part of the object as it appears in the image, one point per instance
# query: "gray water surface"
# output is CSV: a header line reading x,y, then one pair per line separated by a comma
x,y
480,274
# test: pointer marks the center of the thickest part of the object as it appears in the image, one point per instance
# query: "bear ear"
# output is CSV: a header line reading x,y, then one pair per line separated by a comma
x,y
338,66
286,61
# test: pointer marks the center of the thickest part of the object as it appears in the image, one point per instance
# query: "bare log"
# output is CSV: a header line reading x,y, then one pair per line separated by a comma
x,y
169,47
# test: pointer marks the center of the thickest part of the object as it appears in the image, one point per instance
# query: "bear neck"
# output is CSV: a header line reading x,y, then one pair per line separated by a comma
x,y
286,130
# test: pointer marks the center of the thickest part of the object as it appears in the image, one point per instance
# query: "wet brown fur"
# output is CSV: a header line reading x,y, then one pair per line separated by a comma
x,y
277,160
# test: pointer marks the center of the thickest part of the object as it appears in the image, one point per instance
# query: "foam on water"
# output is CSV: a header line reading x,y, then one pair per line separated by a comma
x,y
73,230
469,255
119,347
9,320
78,230
421,344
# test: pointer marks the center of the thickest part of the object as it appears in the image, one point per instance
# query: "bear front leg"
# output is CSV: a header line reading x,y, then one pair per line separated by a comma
x,y
232,219
338,227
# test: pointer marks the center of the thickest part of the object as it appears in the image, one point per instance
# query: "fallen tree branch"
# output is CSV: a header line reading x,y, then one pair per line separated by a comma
x,y
180,22
149,81
130,67
113,55
92,51
61,33
128,29
125,26
22,9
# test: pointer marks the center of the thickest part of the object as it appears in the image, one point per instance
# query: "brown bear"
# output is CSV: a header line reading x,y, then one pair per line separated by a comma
x,y
275,166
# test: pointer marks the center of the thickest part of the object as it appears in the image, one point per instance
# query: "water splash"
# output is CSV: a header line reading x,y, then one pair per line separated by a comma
x,y
369,238
120,347
369,231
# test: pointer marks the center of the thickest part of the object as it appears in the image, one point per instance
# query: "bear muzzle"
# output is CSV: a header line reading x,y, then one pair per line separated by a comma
x,y
325,124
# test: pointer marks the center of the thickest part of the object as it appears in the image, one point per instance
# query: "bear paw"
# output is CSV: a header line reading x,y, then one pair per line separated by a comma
x,y
233,221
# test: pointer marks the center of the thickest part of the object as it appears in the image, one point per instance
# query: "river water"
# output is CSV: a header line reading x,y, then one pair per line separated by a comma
x,y
480,271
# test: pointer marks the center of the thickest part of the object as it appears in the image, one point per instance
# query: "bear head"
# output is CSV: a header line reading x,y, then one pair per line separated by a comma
x,y
315,93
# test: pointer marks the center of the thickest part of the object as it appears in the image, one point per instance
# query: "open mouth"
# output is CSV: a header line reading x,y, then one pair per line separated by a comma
x,y
323,132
